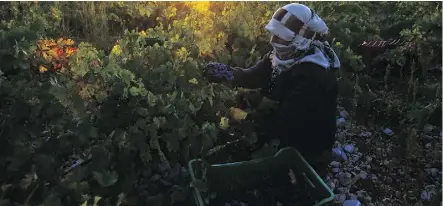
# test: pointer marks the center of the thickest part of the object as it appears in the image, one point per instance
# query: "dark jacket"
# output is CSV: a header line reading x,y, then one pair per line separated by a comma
x,y
307,96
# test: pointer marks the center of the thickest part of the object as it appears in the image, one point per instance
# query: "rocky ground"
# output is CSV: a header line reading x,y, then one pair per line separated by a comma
x,y
378,167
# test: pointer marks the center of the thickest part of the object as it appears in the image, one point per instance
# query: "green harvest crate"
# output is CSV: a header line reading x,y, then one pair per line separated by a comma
x,y
222,178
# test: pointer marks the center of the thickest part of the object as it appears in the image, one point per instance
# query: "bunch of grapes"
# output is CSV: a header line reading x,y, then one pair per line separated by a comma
x,y
220,70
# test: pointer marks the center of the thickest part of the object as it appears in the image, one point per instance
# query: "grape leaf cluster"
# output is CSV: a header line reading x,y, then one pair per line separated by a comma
x,y
220,70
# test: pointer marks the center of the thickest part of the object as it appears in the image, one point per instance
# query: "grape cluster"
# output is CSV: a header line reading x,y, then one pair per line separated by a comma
x,y
220,70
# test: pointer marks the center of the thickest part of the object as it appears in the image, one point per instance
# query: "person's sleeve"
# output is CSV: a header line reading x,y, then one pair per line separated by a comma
x,y
254,77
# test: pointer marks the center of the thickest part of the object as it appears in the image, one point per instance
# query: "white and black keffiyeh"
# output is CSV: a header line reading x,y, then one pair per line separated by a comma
x,y
300,25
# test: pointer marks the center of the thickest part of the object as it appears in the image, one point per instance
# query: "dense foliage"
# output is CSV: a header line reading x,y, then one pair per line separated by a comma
x,y
85,81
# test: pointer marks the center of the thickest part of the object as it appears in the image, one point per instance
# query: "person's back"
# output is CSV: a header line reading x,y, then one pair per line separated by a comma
x,y
307,118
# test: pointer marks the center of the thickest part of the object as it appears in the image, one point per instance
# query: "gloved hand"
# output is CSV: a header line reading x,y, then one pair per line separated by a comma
x,y
248,99
254,100
218,72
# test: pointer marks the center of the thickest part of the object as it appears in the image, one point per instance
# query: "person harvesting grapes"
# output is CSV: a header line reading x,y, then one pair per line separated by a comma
x,y
298,74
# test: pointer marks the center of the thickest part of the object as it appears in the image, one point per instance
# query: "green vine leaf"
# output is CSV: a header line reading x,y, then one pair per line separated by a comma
x,y
106,178
143,112
152,99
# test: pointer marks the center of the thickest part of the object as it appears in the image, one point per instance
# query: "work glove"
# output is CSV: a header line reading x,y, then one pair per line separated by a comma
x,y
218,72
254,100
248,99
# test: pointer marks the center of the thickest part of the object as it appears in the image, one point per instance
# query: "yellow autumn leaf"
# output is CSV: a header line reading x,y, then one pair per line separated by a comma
x,y
46,56
53,53
116,50
224,123
193,81
96,199
41,45
42,69
143,34
50,43
220,35
182,53
69,42
238,114
70,51
59,40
